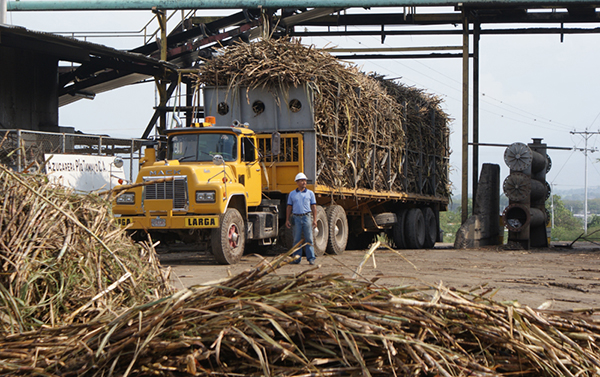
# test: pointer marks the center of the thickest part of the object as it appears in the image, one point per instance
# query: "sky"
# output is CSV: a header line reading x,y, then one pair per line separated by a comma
x,y
531,86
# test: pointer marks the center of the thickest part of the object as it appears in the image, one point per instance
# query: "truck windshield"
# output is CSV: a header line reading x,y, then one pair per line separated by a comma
x,y
202,147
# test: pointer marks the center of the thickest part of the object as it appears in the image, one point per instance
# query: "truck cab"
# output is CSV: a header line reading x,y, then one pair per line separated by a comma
x,y
206,190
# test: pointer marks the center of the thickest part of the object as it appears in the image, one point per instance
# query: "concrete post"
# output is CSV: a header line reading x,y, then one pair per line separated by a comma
x,y
3,7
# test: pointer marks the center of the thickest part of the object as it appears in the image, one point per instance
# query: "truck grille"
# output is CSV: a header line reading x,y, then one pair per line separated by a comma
x,y
176,190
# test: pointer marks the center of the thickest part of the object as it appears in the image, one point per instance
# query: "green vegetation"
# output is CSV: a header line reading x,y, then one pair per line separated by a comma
x,y
450,221
576,206
566,226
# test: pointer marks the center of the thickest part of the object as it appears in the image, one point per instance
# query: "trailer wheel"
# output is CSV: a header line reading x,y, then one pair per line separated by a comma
x,y
431,233
398,233
229,239
338,229
414,229
321,233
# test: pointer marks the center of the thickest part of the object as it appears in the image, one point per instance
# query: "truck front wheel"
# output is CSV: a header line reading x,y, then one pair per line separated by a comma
x,y
229,239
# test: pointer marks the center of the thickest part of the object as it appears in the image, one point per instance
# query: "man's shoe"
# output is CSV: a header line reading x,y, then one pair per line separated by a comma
x,y
312,262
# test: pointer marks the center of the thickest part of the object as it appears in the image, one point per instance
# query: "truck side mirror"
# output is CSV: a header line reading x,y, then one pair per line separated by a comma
x,y
275,143
218,159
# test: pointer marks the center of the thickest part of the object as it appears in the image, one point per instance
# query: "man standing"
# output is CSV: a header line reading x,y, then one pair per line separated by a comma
x,y
301,205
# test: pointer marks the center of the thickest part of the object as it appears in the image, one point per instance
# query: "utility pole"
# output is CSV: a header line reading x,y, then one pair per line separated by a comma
x,y
586,135
552,202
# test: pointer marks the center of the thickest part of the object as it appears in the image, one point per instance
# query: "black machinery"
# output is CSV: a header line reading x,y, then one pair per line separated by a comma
x,y
526,188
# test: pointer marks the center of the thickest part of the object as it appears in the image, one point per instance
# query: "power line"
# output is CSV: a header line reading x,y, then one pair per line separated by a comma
x,y
537,119
586,135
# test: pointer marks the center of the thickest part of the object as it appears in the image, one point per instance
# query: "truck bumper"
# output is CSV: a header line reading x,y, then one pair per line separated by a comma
x,y
168,222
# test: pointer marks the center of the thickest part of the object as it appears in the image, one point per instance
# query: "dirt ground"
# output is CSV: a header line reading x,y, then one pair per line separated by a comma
x,y
558,277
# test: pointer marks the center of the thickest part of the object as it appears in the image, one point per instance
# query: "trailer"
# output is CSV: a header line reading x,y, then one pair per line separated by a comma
x,y
224,182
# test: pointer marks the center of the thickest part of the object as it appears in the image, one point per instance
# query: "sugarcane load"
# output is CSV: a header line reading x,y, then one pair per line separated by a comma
x,y
375,154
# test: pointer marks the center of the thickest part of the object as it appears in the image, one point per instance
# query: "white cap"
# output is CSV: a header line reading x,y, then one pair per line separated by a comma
x,y
300,176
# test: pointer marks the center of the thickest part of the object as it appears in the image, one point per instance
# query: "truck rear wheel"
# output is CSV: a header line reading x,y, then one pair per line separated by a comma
x,y
414,229
338,230
430,228
229,239
398,233
320,235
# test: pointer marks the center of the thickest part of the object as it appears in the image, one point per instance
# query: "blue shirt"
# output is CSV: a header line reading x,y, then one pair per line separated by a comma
x,y
301,201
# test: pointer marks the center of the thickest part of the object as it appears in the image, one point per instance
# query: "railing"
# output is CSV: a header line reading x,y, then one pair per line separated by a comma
x,y
24,150
288,152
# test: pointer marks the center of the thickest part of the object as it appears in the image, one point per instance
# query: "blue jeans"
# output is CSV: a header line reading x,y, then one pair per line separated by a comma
x,y
303,225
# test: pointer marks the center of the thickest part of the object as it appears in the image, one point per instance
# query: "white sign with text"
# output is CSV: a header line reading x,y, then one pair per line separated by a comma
x,y
84,172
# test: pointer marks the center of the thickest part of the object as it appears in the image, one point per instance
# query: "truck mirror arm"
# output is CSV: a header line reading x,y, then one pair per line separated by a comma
x,y
221,172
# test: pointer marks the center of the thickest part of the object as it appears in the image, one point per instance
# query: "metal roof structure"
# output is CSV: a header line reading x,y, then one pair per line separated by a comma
x,y
296,18
91,61
38,5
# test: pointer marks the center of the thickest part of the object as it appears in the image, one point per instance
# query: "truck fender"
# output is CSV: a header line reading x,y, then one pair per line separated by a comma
x,y
238,201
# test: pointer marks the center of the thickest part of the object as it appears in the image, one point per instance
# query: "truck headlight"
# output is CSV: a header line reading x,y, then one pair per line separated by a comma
x,y
126,198
205,196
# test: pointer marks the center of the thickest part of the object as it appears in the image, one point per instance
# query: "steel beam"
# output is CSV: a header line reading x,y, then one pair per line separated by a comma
x,y
476,34
75,5
307,34
397,56
465,121
392,49
484,16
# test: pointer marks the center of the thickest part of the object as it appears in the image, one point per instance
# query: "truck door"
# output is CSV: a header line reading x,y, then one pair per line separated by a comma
x,y
253,178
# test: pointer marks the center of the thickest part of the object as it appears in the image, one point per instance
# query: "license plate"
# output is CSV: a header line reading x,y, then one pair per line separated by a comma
x,y
124,221
202,222
158,222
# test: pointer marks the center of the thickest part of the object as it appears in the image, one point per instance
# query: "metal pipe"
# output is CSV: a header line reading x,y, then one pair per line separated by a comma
x,y
41,5
465,120
508,145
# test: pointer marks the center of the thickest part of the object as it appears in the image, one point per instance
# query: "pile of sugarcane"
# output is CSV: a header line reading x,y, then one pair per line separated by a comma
x,y
259,323
360,133
63,260
427,148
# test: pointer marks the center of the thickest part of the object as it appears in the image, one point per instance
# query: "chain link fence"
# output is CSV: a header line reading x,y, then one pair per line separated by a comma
x,y
24,150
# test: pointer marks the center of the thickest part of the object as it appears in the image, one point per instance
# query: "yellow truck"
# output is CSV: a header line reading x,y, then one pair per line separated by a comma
x,y
224,183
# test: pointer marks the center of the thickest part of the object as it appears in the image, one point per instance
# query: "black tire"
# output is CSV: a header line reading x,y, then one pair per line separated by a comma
x,y
338,230
375,222
414,229
229,239
386,218
431,229
320,236
398,234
